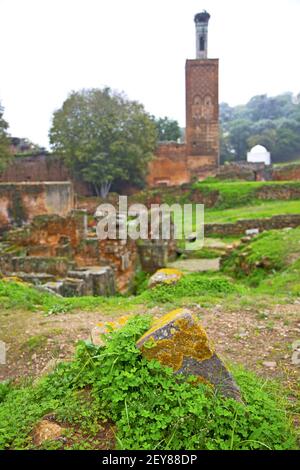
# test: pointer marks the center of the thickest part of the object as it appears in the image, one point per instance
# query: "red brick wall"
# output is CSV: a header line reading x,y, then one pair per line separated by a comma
x,y
202,108
35,168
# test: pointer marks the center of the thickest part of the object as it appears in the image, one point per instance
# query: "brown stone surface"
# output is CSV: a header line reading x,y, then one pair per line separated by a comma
x,y
21,202
202,108
286,172
243,170
41,167
169,167
62,246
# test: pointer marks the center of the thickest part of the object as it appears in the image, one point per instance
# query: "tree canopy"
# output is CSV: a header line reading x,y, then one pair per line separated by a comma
x,y
4,141
168,129
270,121
104,137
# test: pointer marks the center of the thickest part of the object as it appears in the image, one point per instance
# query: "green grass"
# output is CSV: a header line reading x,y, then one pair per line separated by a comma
x,y
238,201
262,209
286,282
239,193
23,296
194,286
15,295
151,407
264,257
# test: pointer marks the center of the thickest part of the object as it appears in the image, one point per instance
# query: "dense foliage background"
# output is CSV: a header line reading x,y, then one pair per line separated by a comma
x,y
270,121
4,141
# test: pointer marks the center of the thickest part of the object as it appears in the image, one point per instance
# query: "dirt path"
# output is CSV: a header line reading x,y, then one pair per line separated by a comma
x,y
196,265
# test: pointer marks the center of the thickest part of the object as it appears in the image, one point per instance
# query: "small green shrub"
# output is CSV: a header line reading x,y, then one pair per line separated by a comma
x,y
140,282
192,285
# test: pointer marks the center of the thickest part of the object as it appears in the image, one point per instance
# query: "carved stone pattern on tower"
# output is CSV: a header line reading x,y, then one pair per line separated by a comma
x,y
202,108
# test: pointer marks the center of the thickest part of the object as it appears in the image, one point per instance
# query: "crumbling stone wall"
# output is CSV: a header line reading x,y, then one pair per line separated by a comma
x,y
43,167
239,227
61,246
21,202
286,172
122,256
244,171
169,166
282,192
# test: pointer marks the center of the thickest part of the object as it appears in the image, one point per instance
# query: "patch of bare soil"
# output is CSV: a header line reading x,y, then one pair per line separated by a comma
x,y
35,343
196,265
48,429
261,340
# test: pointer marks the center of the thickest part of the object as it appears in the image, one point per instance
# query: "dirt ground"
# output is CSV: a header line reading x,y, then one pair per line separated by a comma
x,y
261,340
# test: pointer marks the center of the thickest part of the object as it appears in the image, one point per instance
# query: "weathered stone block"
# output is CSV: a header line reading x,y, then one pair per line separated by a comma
x,y
103,281
72,287
31,264
153,255
165,276
177,340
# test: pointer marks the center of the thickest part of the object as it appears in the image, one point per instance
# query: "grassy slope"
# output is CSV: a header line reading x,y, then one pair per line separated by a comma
x,y
261,209
238,200
270,261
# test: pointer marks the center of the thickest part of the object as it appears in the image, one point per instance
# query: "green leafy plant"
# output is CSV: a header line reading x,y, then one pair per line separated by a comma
x,y
151,407
192,285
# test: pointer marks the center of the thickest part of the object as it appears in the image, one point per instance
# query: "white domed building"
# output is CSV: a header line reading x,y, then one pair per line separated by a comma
x,y
259,154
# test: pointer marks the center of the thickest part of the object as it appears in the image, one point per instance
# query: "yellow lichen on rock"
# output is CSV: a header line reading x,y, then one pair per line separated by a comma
x,y
165,276
185,338
177,340
171,272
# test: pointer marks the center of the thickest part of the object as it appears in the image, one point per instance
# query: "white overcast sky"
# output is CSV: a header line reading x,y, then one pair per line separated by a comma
x,y
50,47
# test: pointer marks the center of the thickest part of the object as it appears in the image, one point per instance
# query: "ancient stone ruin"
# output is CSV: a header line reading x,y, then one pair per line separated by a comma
x,y
20,202
65,255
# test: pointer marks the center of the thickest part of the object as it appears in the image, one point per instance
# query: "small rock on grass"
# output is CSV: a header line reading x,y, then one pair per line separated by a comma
x,y
165,276
270,364
46,431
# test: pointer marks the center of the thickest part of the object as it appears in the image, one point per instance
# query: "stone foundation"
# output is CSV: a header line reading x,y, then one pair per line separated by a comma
x,y
239,228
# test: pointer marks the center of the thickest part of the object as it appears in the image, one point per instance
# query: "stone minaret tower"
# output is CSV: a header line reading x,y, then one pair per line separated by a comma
x,y
201,21
202,105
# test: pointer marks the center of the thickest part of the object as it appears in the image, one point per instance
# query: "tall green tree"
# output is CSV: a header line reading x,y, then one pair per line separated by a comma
x,y
4,141
104,137
239,132
168,129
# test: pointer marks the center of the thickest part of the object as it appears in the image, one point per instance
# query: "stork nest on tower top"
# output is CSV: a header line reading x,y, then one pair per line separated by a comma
x,y
202,17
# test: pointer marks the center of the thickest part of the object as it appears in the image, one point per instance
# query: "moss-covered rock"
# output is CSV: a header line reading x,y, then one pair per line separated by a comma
x,y
165,276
